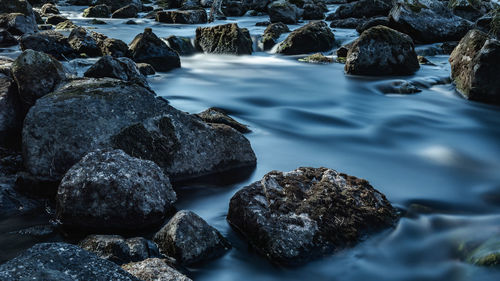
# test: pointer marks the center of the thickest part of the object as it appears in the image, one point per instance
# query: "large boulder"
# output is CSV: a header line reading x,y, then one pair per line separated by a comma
x,y
428,21
189,239
283,11
315,36
111,190
49,42
313,11
83,43
18,24
98,11
36,75
363,9
120,68
296,216
148,48
10,111
129,11
182,45
124,115
6,39
182,17
61,262
272,33
16,6
154,269
110,46
382,51
224,39
474,67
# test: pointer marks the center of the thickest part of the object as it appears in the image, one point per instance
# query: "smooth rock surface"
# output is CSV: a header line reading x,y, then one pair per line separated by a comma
x,y
315,36
147,47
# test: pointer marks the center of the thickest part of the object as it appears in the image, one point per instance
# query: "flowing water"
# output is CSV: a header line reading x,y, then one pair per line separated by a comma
x,y
433,154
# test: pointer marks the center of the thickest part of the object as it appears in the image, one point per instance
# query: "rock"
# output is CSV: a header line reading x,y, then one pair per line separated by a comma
x,y
62,262
6,39
130,22
218,116
182,17
382,51
363,9
372,23
182,45
111,46
424,61
401,87
234,9
82,43
111,190
99,11
190,5
146,69
117,4
11,112
294,217
147,47
272,34
427,21
55,19
224,39
189,239
317,58
66,25
473,67
169,4
315,36
129,11
343,50
120,68
347,23
313,11
50,42
257,5
18,24
48,9
123,115
36,75
154,269
467,9
487,254
96,22
16,6
283,11
120,250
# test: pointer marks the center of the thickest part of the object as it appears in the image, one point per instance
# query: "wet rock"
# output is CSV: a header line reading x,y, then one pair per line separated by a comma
x,y
382,51
36,75
129,11
294,217
96,22
467,9
234,9
63,262
169,4
124,115
50,42
117,4
18,24
272,34
147,47
55,19
218,116
38,231
315,36
283,11
6,39
111,190
347,23
182,17
111,46
120,68
16,6
363,9
182,45
130,22
372,23
428,21
99,11
154,269
224,39
67,25
317,58
190,239
343,50
401,87
45,27
487,254
11,112
83,43
262,23
146,69
424,61
257,5
190,5
473,67
313,11
48,9
5,66
119,250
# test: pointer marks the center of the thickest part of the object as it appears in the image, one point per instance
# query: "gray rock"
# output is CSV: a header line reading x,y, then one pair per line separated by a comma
x,y
120,68
347,23
189,239
147,47
111,46
55,19
283,11
18,24
50,42
117,4
218,116
154,269
313,11
48,9
182,17
61,262
363,9
382,51
182,45
6,39
83,43
98,11
65,25
10,111
373,22
296,216
224,39
315,36
272,34
146,69
129,11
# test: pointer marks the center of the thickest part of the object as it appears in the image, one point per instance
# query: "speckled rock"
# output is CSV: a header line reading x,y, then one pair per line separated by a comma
x,y
18,24
147,47
111,190
283,11
315,36
55,19
120,68
154,269
98,11
272,33
111,46
181,45
294,217
224,39
83,43
61,262
50,42
48,9
182,16
189,239
146,69
129,11
218,116
382,51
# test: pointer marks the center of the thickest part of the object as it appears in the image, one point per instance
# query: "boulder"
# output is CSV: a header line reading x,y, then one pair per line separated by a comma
x,y
119,250
317,58
66,25
473,67
83,43
55,19
373,22
169,4
36,75
313,11
146,69
61,262
10,112
428,21
48,9
154,269
283,11
347,23
363,9
50,42
117,4
129,11
272,33
382,51
182,45
234,9
99,11
182,17
300,215
18,24
315,36
6,39
111,46
147,47
111,190
120,68
16,6
189,239
224,39
257,5
468,9
218,116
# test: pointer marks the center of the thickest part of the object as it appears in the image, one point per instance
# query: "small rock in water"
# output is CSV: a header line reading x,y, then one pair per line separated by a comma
x,y
423,60
129,11
401,87
182,45
317,58
83,43
98,11
147,47
216,115
487,254
315,36
55,19
97,22
49,8
120,68
272,33
131,22
50,42
154,269
224,39
66,25
146,69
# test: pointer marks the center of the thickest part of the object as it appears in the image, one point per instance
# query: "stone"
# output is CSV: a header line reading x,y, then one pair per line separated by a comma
x,y
66,25
11,112
294,217
110,190
111,46
272,33
18,24
313,11
154,269
189,239
99,11
317,58
315,36
182,45
401,87
48,9
234,8
218,116
283,11
224,39
347,23
55,19
382,51
182,17
146,69
120,68
363,9
117,4
372,23
148,48
6,39
487,254
49,42
129,11
83,43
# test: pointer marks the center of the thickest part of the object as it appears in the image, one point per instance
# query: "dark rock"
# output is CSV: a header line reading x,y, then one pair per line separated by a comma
x,y
373,22
294,217
317,58
190,239
347,23
283,11
83,43
45,27
343,50
50,42
467,9
6,39
382,51
154,269
234,8
315,36
262,23
182,17
16,6
129,11
99,11
61,262
111,46
18,24
313,11
218,116
111,190
131,22
120,250
120,68
11,112
115,5
147,47
67,25
487,254
182,45
36,75
474,67
169,4
401,87
55,19
363,9
272,34
224,39
257,5
48,9
146,69
96,22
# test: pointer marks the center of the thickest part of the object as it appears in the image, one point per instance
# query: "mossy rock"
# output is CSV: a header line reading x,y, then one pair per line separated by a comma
x,y
487,254
317,58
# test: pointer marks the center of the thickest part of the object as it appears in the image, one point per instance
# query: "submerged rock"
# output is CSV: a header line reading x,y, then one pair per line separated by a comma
x,y
147,47
224,39
120,68
218,116
50,42
83,43
61,262
315,36
487,254
474,67
189,239
99,11
382,51
182,17
154,269
111,190
294,217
